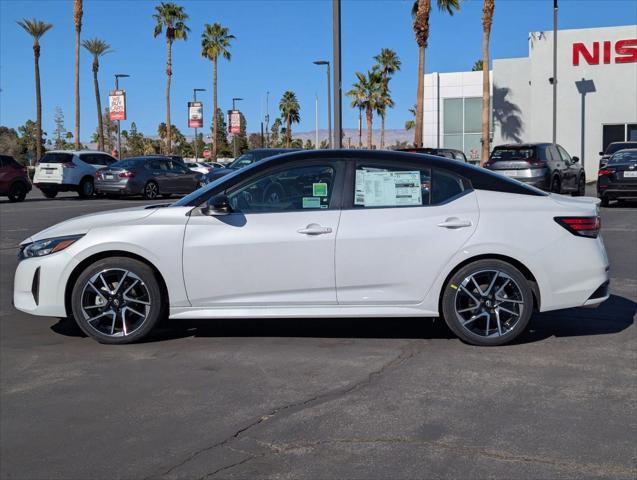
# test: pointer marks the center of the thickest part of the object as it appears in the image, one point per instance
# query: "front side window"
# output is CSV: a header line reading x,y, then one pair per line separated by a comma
x,y
565,156
292,189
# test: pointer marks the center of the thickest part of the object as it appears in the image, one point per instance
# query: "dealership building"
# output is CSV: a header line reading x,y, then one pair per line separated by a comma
x,y
596,96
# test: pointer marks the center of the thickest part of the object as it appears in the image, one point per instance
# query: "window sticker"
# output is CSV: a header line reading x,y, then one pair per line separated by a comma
x,y
319,189
387,189
311,202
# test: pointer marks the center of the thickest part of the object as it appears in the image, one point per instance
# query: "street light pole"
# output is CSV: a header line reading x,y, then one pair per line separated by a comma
x,y
119,128
330,140
194,95
234,135
338,119
554,72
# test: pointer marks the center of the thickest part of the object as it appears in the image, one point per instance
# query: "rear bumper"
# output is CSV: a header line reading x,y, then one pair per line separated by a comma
x,y
542,183
60,187
117,188
627,191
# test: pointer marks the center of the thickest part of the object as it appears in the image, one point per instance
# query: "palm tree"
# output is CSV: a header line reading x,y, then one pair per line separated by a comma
x,y
77,18
411,123
290,110
388,63
215,41
97,48
170,17
477,66
36,29
487,21
420,13
367,94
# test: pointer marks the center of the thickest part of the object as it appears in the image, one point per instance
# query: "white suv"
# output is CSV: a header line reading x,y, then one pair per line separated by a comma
x,y
65,171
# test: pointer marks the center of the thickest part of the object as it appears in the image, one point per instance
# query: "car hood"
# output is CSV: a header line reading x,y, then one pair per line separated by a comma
x,y
81,225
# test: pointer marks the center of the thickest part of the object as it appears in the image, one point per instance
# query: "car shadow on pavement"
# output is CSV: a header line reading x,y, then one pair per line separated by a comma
x,y
613,316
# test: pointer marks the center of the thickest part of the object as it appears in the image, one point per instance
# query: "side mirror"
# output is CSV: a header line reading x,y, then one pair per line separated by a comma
x,y
601,154
603,163
217,205
575,159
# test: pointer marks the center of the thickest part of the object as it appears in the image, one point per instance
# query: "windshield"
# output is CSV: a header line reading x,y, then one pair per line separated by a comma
x,y
624,156
243,161
613,147
57,158
503,154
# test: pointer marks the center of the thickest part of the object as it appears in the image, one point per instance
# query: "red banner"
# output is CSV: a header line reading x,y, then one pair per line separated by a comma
x,y
117,105
195,115
234,121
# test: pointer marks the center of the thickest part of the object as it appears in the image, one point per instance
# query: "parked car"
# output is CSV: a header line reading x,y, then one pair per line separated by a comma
x,y
14,179
617,180
543,165
200,167
248,158
612,148
147,176
352,233
64,171
439,152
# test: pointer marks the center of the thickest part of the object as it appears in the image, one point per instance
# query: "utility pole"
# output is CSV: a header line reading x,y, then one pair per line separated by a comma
x,y
554,72
119,128
316,136
329,101
338,119
194,94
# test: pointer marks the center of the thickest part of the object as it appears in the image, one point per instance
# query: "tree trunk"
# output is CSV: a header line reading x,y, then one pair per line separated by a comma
x,y
38,104
100,126
360,127
77,89
369,128
486,84
420,98
215,125
382,131
169,73
288,131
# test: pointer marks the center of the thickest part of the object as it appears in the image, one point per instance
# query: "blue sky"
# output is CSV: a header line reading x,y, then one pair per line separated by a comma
x,y
275,46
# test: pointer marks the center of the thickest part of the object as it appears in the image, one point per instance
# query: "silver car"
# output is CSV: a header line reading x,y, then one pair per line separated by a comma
x,y
147,176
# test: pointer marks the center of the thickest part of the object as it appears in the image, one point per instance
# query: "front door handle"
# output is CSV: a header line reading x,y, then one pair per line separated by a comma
x,y
314,229
454,222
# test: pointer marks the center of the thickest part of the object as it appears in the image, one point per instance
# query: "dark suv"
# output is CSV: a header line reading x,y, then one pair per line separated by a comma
x,y
612,148
542,165
14,179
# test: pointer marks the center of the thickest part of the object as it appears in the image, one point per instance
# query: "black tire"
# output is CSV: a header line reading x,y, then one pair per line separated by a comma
x,y
581,187
469,329
49,192
86,188
17,192
605,201
151,190
556,185
120,303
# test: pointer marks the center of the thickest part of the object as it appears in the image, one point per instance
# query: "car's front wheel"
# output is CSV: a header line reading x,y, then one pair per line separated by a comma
x,y
117,300
581,187
86,189
487,302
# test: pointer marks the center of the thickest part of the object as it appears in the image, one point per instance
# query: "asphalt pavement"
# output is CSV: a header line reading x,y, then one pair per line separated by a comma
x,y
316,399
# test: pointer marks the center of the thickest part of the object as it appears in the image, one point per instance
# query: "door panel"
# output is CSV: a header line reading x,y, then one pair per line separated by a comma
x,y
261,259
392,255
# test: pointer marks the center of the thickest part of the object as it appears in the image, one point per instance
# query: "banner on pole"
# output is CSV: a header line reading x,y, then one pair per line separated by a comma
x,y
117,105
195,114
234,121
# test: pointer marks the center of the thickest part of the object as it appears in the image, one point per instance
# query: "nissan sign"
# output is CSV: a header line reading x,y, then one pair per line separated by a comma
x,y
625,52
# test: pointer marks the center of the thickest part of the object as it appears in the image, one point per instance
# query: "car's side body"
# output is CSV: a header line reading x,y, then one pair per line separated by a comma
x,y
364,262
63,171
14,179
132,175
543,165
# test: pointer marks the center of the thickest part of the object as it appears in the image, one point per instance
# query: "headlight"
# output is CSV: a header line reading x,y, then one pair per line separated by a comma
x,y
48,246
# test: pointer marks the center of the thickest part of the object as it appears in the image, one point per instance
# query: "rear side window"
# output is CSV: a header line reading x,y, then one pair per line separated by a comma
x,y
96,159
57,158
158,165
444,186
392,187
508,154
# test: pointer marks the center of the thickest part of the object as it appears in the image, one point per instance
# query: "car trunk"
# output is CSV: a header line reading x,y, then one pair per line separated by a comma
x,y
51,167
110,174
622,172
516,162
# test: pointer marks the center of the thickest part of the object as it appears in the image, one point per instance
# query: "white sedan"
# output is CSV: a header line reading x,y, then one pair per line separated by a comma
x,y
325,234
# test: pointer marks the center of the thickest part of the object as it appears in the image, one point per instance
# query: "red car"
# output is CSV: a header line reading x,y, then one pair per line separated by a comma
x,y
14,179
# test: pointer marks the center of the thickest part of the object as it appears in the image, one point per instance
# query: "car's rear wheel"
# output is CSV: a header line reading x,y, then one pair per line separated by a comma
x,y
151,191
487,303
605,200
86,189
581,187
17,192
117,300
49,192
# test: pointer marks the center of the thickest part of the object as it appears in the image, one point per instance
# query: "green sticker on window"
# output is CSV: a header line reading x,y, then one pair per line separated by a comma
x,y
319,189
311,202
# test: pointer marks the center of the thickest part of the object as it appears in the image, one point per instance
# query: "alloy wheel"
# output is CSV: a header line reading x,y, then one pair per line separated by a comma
x,y
151,190
115,302
489,303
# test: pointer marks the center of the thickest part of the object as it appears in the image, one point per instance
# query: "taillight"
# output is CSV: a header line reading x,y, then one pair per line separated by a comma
x,y
537,163
581,226
126,174
605,171
68,165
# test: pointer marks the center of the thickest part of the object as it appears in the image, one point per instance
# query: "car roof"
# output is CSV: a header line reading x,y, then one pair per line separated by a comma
x,y
523,145
626,150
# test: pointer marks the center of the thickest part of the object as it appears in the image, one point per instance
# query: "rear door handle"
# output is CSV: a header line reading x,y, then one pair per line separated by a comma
x,y
314,229
454,222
